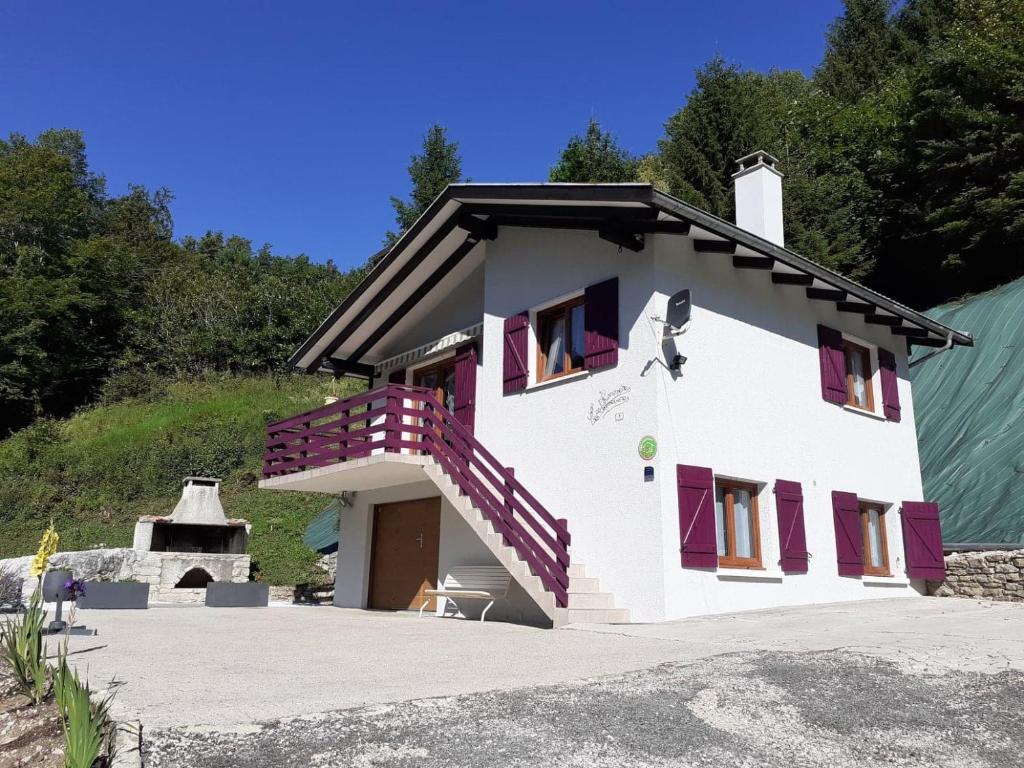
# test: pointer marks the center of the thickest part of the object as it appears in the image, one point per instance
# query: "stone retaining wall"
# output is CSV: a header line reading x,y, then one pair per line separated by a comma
x,y
162,570
993,575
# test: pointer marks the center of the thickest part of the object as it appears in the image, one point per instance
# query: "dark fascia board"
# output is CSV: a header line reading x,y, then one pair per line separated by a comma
x,y
613,194
618,195
711,223
374,275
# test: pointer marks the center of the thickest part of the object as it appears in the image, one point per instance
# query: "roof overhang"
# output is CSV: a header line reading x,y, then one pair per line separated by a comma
x,y
441,248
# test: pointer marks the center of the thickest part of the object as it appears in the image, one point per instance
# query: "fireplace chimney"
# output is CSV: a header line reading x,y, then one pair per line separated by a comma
x,y
199,503
759,196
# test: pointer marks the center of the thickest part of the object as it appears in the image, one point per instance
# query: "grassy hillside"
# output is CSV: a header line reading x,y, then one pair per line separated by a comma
x,y
96,472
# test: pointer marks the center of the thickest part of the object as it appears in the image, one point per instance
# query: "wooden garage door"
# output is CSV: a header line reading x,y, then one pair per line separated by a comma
x,y
406,535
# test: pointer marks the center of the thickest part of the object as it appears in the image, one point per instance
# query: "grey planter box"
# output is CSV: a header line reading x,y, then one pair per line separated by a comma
x,y
250,594
114,595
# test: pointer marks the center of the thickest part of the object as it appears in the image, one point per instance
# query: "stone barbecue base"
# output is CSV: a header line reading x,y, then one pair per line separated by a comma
x,y
162,570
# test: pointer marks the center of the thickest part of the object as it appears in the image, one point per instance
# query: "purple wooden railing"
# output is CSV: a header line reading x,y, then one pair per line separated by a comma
x,y
402,419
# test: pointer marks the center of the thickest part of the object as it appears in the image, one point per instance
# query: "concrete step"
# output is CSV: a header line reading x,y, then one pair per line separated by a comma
x,y
597,615
577,569
581,584
590,600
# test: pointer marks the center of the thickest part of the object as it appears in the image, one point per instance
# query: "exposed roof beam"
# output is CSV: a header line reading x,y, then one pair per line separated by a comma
x,y
927,342
908,331
421,290
855,307
622,235
825,294
889,320
751,262
791,278
714,246
484,229
348,368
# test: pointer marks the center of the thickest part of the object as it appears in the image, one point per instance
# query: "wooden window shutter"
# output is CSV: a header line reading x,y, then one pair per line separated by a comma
x,y
465,385
601,324
849,539
890,388
397,376
698,543
922,540
514,367
789,505
833,364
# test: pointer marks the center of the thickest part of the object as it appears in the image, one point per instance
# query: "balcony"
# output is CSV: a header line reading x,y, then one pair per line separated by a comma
x,y
389,436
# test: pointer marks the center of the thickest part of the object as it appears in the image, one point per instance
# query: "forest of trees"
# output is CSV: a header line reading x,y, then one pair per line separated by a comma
x,y
904,163
903,153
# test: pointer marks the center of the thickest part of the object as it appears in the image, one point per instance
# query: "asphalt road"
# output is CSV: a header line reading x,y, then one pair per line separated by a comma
x,y
918,682
750,709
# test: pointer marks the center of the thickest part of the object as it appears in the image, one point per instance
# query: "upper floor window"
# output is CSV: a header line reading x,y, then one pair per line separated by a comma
x,y
739,544
560,339
876,548
858,376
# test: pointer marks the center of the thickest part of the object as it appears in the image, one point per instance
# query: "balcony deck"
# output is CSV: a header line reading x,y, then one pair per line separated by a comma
x,y
383,470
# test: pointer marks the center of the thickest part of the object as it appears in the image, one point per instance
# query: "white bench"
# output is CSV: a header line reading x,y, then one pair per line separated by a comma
x,y
472,582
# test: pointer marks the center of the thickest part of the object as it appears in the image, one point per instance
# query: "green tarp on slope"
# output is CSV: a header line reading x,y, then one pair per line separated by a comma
x,y
969,405
322,533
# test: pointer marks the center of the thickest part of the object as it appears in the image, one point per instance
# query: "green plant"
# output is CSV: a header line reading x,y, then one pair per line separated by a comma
x,y
84,721
21,640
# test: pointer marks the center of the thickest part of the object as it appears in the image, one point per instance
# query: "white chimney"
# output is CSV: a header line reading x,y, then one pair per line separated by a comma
x,y
759,196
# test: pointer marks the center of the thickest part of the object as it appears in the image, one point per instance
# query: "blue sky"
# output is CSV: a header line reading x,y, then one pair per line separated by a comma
x,y
292,122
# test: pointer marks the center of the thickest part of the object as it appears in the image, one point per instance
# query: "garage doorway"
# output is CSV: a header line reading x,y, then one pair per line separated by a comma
x,y
406,537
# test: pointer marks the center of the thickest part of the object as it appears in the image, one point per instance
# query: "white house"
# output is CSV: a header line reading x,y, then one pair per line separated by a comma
x,y
540,400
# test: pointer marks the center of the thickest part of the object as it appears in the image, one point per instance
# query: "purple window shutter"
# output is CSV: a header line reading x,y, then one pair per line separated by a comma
x,y
601,324
833,364
699,545
465,385
849,540
890,388
514,367
789,503
922,540
397,377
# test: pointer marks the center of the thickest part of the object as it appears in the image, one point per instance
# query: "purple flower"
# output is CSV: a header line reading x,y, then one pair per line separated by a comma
x,y
75,588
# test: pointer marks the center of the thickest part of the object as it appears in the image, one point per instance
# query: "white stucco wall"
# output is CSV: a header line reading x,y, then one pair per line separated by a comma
x,y
586,472
459,545
747,403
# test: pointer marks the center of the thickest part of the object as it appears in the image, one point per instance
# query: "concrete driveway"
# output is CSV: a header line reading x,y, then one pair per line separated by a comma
x,y
893,682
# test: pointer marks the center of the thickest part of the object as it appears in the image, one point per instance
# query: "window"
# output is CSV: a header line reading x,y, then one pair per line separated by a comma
x,y
858,376
560,340
739,542
876,550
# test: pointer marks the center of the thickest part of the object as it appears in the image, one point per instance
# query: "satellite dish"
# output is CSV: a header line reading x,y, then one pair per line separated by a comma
x,y
678,314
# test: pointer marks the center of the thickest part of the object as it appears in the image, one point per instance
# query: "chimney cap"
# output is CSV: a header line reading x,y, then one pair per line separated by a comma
x,y
758,158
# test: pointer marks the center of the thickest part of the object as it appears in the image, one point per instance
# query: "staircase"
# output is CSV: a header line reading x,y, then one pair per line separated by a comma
x,y
587,603
403,424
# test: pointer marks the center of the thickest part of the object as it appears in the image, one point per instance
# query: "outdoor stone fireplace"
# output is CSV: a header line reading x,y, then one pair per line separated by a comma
x,y
179,554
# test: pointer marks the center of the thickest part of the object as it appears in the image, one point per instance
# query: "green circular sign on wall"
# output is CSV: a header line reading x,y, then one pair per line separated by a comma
x,y
648,447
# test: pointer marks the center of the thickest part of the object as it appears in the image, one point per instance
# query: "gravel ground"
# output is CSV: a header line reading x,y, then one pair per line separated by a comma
x,y
833,708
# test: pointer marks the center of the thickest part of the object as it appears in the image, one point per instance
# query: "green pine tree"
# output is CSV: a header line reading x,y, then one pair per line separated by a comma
x,y
594,158
430,172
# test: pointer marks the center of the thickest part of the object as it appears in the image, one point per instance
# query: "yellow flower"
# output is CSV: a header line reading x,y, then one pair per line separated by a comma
x,y
47,548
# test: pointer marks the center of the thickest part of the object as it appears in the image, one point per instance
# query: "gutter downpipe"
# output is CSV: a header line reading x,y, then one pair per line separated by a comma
x,y
944,348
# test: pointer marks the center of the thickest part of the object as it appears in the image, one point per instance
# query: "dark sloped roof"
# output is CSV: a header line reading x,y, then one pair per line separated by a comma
x,y
464,214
